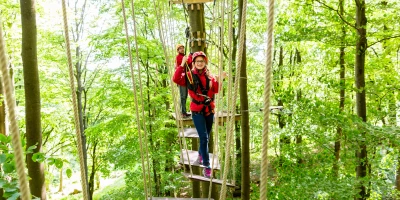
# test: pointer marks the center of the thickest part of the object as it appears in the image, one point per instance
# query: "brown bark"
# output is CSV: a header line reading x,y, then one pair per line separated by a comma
x,y
244,107
32,97
2,122
361,154
342,83
93,171
197,31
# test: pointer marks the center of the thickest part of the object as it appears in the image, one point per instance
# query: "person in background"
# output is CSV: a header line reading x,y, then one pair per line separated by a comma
x,y
202,87
180,61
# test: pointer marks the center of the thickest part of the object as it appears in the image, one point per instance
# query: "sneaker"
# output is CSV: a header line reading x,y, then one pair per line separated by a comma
x,y
207,172
199,160
185,115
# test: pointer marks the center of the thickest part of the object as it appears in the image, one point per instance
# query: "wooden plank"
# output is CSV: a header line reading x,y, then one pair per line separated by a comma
x,y
190,1
189,133
193,159
202,178
168,198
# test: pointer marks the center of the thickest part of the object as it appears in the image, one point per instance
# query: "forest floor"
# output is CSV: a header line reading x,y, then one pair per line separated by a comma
x,y
73,189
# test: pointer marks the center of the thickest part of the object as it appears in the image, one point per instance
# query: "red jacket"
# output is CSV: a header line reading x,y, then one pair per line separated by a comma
x,y
179,78
178,60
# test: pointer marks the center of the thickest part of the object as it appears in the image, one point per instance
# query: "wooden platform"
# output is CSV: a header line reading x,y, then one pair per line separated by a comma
x,y
189,133
191,1
202,178
222,117
193,159
168,198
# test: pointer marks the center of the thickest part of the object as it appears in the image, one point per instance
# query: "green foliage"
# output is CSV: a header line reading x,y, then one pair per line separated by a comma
x,y
8,174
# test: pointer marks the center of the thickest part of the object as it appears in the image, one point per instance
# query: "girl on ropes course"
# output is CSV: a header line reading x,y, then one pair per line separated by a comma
x,y
202,86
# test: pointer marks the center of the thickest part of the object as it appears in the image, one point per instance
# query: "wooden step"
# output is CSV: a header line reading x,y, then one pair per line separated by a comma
x,y
202,178
168,198
193,159
189,133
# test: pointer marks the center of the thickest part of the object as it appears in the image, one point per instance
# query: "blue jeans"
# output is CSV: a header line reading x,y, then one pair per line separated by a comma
x,y
203,126
183,91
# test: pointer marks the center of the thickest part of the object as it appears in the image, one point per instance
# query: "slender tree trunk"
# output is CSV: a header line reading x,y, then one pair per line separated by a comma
x,y
82,113
60,187
284,139
342,83
2,122
299,138
361,23
244,107
93,171
32,97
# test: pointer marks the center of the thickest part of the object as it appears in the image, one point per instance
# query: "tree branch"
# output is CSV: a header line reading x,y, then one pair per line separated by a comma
x,y
337,11
383,39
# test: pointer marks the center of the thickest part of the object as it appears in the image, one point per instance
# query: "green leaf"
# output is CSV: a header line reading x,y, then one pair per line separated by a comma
x,y
10,189
38,157
2,183
8,168
3,138
14,196
69,173
3,158
59,163
31,148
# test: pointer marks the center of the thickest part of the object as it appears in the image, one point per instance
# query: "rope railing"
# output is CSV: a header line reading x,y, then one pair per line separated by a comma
x,y
141,96
14,130
235,93
178,118
74,103
267,94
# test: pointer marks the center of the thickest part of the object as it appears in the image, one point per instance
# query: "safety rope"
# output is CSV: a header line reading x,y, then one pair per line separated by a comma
x,y
139,128
141,95
14,130
74,100
233,107
174,89
267,94
230,39
218,52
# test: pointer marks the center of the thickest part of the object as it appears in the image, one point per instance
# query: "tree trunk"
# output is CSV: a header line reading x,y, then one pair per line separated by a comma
x,y
284,139
2,122
32,97
244,107
82,113
342,83
299,138
93,171
60,187
197,31
361,23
